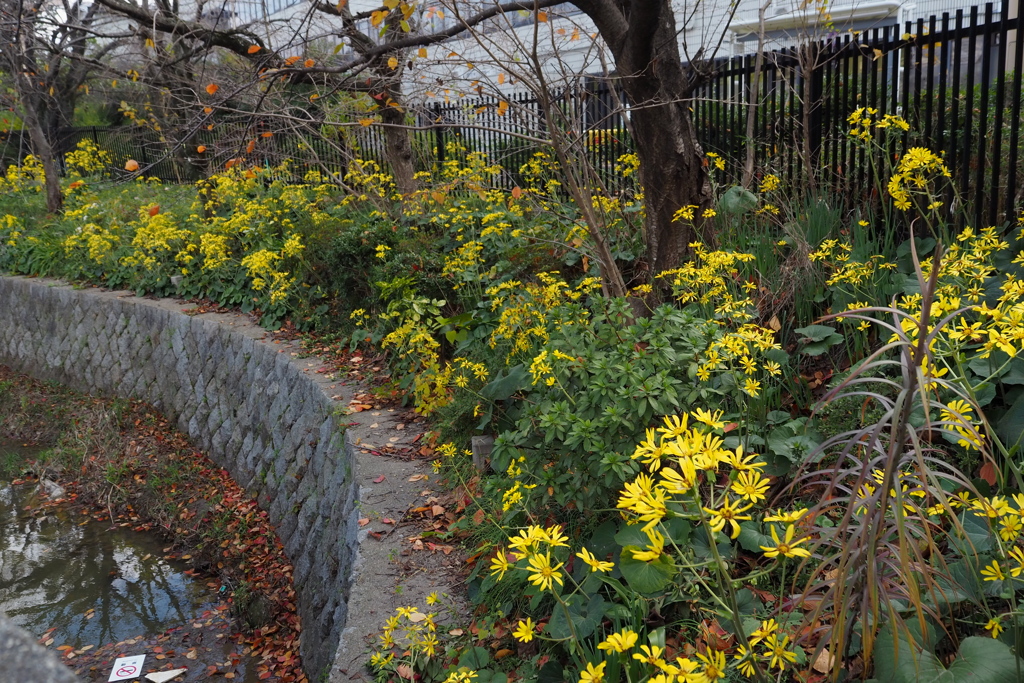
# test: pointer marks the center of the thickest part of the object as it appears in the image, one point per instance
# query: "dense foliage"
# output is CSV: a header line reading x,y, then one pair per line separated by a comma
x,y
794,456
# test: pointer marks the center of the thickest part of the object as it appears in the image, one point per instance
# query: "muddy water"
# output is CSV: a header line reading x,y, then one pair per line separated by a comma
x,y
95,584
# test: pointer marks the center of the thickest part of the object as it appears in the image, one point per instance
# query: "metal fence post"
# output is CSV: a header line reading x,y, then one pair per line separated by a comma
x,y
438,133
814,119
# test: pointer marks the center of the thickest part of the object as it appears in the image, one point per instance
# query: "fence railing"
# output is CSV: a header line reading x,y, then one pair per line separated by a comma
x,y
956,78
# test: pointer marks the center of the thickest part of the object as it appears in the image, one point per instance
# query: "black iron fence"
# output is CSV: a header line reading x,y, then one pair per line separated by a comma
x,y
955,78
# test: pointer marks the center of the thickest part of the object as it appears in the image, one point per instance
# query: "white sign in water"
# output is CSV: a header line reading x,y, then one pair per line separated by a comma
x,y
126,667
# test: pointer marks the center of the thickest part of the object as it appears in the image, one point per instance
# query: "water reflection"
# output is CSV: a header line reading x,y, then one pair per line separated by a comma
x,y
93,583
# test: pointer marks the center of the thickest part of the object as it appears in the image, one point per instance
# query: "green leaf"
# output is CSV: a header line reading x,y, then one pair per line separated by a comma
x,y
585,617
475,658
984,660
908,658
902,652
646,577
815,333
737,200
504,386
551,673
751,539
633,535
818,338
979,536
904,258
1010,427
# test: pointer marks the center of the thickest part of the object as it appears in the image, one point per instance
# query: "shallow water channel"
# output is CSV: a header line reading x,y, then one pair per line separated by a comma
x,y
93,583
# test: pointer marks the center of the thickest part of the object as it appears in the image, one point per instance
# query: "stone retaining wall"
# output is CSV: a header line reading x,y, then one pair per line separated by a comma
x,y
246,405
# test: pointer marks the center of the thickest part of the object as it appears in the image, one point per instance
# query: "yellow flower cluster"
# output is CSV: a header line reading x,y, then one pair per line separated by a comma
x,y
87,159
741,350
215,250
864,121
368,180
529,311
157,235
463,265
97,241
530,552
261,266
412,631
963,272
540,173
627,165
708,279
836,256
675,453
28,175
914,173
414,342
769,183
13,226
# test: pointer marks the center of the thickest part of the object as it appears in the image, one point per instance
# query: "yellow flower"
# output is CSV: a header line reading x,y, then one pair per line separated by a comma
x,y
769,183
746,662
993,572
619,642
730,515
593,674
595,564
685,213
1018,556
500,565
740,462
379,660
1010,527
432,598
382,251
994,626
553,537
777,651
714,665
542,574
645,499
654,549
750,485
651,654
712,420
787,517
524,631
766,628
787,547
751,387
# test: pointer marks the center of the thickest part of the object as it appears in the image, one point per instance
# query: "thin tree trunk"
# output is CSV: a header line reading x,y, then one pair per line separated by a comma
x,y
42,148
753,95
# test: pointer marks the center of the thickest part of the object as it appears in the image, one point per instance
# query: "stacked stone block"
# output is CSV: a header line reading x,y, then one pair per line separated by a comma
x,y
250,408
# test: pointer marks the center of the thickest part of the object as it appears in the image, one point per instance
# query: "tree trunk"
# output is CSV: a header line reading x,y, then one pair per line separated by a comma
x,y
398,147
676,176
642,37
42,148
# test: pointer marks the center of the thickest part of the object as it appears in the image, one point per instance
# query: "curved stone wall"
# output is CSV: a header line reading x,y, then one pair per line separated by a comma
x,y
247,406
